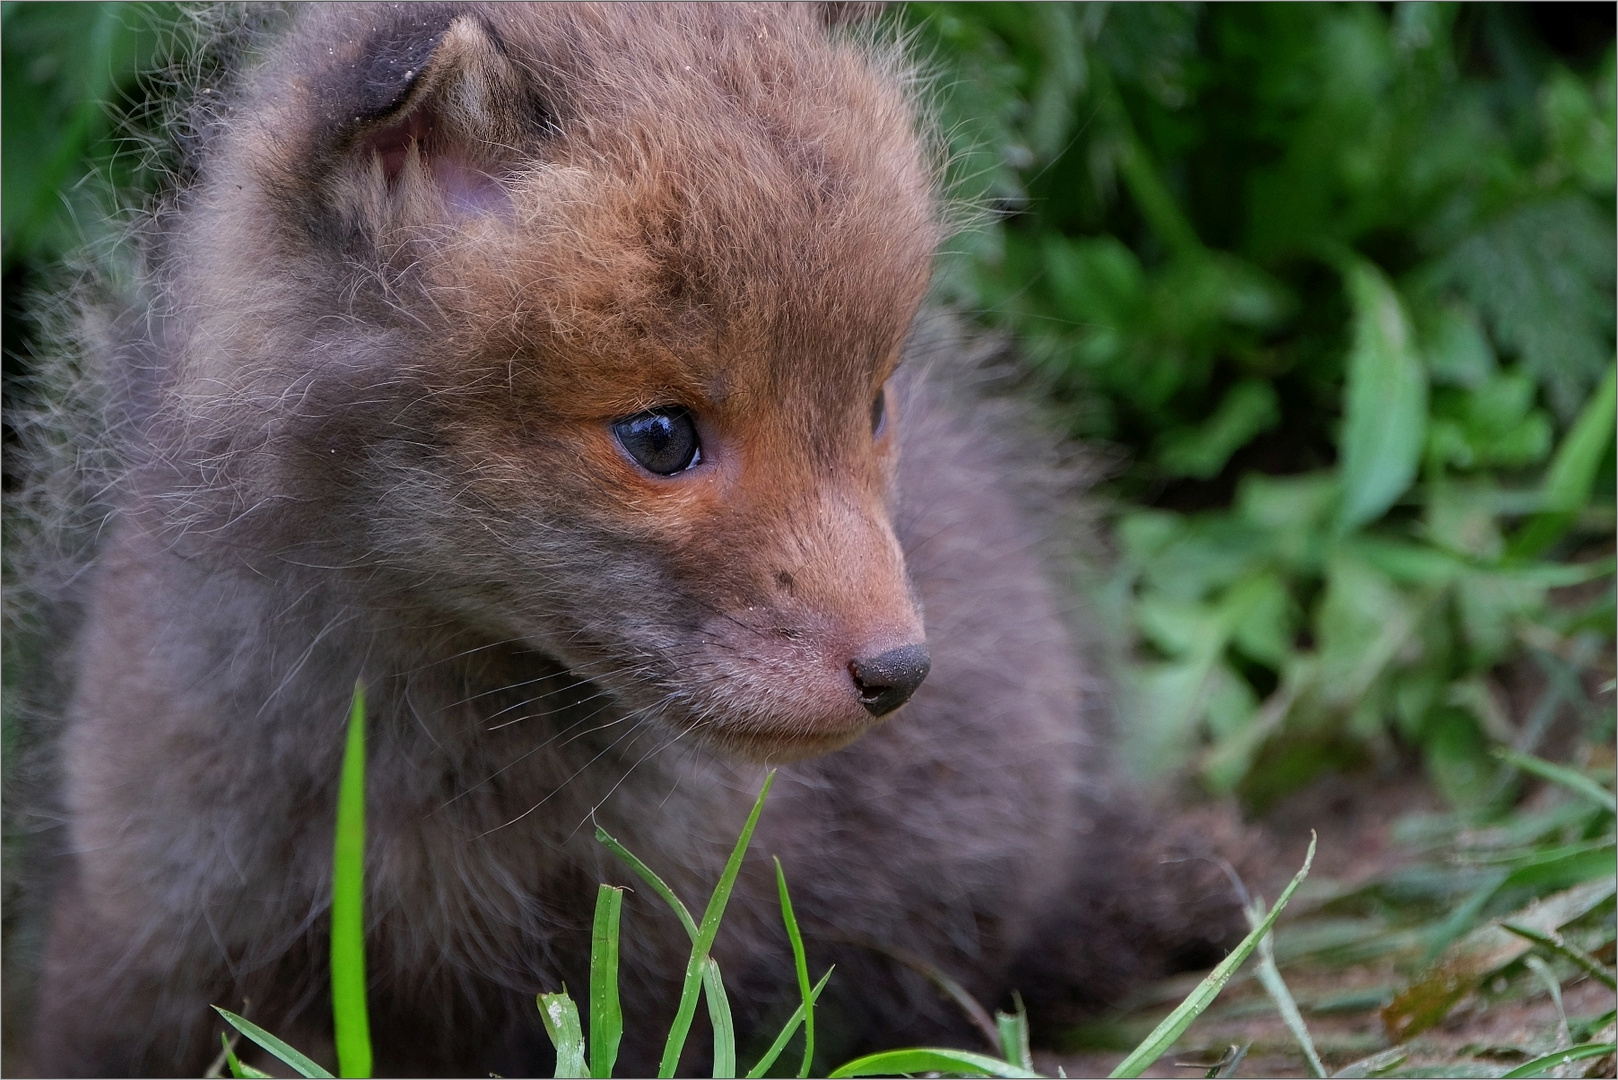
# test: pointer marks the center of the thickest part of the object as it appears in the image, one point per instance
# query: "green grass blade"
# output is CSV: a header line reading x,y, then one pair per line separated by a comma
x,y
706,932
351,1020
1382,1061
1553,941
1270,976
298,1063
727,880
247,1072
800,963
647,875
237,1069
788,1029
606,1017
682,1016
1573,470
1575,782
1553,986
959,1062
1541,1066
1014,1042
724,1029
561,1019
1174,1025
718,1001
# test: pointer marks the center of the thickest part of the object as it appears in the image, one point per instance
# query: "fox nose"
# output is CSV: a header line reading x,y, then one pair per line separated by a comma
x,y
886,681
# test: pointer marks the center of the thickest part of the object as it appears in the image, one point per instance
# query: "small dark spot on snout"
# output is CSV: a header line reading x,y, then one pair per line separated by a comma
x,y
784,580
886,682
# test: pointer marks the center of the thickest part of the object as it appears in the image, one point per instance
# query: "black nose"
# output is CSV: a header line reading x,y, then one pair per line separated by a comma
x,y
886,682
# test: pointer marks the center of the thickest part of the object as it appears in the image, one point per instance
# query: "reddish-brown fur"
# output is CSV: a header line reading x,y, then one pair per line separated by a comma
x,y
432,255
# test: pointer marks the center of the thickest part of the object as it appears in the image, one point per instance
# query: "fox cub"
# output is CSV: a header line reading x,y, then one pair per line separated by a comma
x,y
537,367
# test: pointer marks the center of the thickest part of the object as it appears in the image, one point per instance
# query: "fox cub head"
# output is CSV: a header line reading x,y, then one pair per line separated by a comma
x,y
573,325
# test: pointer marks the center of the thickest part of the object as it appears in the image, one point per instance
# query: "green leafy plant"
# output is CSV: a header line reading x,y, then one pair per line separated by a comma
x,y
1344,298
68,68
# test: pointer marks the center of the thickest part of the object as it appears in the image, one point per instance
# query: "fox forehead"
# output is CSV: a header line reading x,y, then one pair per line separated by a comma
x,y
726,206
637,298
628,352
602,321
603,209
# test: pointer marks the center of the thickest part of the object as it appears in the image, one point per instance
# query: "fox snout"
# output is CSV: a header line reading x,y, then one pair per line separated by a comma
x,y
826,645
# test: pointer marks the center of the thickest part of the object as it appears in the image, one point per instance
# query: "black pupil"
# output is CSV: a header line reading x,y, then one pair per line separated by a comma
x,y
663,441
879,411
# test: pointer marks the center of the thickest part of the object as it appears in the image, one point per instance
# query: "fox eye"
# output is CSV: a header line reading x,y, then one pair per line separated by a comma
x,y
662,441
879,412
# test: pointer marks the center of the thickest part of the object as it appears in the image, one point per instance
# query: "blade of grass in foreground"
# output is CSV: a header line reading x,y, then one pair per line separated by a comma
x,y
724,1030
696,967
787,1031
801,964
1270,976
298,1063
561,1018
349,1015
910,1062
237,1069
1543,1065
1014,1040
606,1017
1174,1025
1377,1064
1551,940
648,875
712,980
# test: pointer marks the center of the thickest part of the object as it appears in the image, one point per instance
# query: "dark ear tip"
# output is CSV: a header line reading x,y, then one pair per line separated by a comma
x,y
376,73
392,69
844,12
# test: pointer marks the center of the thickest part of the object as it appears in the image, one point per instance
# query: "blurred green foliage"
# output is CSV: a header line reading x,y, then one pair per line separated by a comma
x,y
1339,280
66,70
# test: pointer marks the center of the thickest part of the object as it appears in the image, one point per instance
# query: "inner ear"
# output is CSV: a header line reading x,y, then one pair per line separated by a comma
x,y
391,144
455,130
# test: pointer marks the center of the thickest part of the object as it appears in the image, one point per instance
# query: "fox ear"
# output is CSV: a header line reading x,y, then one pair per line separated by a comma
x,y
847,12
426,122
